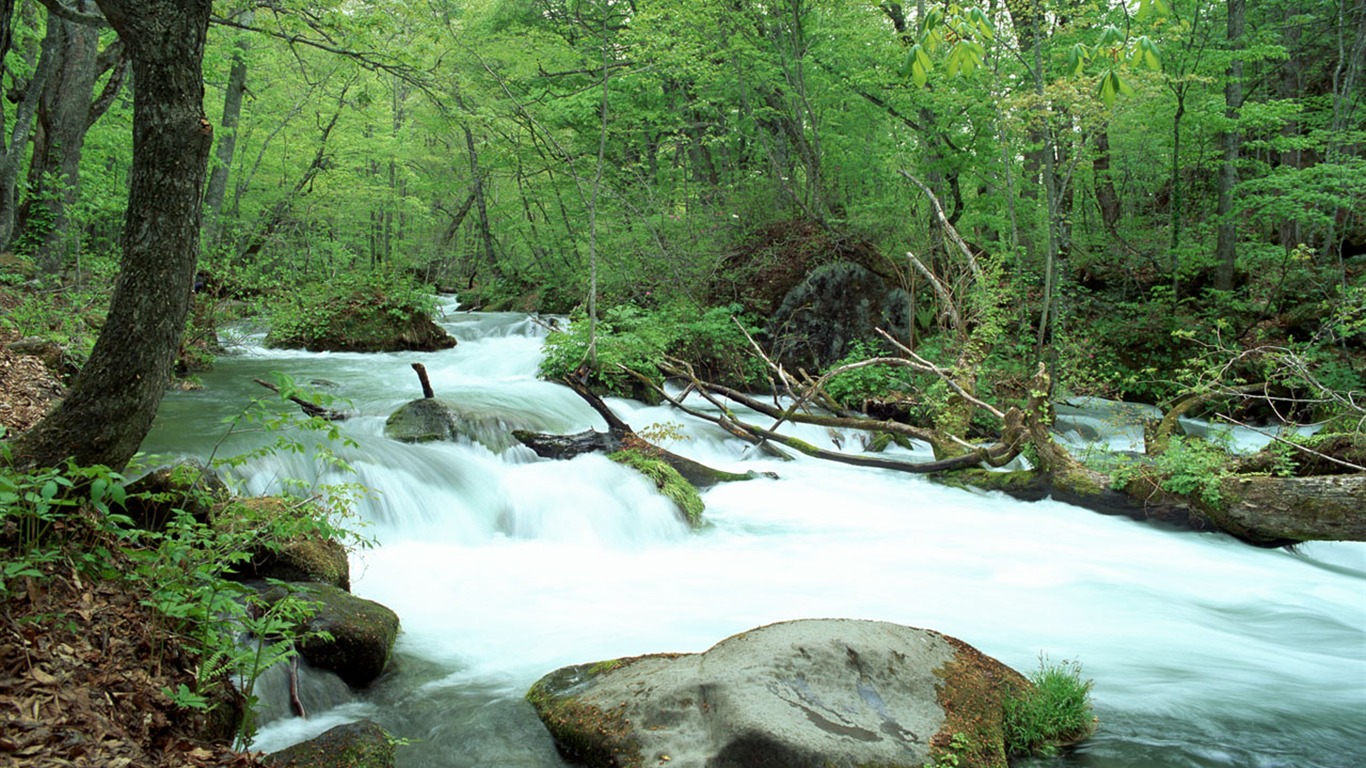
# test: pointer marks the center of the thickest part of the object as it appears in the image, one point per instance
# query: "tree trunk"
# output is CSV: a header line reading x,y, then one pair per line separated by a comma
x,y
112,403
1225,248
64,112
12,153
1106,197
227,136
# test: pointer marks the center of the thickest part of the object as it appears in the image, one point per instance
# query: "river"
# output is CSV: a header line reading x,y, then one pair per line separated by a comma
x,y
1204,651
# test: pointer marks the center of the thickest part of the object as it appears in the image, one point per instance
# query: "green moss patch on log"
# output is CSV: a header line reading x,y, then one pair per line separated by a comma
x,y
670,483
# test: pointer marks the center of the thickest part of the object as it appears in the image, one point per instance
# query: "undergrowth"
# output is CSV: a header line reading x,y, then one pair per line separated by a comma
x,y
77,518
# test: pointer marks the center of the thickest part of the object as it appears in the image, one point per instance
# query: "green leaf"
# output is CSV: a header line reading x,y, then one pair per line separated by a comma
x,y
1146,54
1110,35
983,23
1077,58
920,65
1112,86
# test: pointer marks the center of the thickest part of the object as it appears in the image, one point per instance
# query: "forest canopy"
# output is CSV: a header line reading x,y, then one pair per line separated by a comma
x,y
1147,184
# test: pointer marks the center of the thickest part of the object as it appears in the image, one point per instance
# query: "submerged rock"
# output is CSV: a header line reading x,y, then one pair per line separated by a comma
x,y
363,744
816,693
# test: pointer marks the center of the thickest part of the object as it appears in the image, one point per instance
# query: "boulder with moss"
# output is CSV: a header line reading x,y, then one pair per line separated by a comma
x,y
362,744
364,314
278,548
348,635
815,693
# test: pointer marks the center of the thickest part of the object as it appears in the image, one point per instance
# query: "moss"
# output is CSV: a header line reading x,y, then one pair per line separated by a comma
x,y
584,732
354,745
670,483
972,696
989,481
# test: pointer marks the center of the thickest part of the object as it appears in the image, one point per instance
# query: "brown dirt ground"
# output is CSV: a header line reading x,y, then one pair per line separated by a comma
x,y
83,662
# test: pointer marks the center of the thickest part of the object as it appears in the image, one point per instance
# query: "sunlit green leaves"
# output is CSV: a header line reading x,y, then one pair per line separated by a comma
x,y
953,35
1112,86
1145,54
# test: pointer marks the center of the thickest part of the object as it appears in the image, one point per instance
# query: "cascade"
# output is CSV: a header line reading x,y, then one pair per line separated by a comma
x,y
1204,651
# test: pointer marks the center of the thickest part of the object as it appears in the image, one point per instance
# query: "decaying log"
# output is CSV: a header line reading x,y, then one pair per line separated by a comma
x,y
621,436
309,409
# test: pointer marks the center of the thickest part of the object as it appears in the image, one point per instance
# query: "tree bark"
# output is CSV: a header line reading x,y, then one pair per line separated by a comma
x,y
65,113
11,153
112,403
227,136
1225,248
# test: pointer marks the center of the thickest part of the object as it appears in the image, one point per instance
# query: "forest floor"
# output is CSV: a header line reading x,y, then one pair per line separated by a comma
x,y
84,663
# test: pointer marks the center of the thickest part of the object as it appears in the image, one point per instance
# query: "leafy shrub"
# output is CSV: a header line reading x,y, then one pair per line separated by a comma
x,y
854,388
349,311
1054,712
630,338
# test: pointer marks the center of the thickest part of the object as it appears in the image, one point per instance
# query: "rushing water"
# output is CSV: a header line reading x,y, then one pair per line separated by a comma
x,y
1204,651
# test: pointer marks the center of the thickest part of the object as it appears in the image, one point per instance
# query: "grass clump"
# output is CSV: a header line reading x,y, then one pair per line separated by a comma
x,y
1054,712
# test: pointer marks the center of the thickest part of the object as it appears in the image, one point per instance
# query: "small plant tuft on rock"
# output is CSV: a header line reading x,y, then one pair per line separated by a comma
x,y
1054,712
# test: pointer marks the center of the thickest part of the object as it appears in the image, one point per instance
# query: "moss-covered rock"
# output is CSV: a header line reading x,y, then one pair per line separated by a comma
x,y
366,314
362,634
428,419
189,486
362,744
667,479
301,557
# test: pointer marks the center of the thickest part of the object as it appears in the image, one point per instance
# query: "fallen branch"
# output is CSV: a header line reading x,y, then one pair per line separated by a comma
x,y
310,409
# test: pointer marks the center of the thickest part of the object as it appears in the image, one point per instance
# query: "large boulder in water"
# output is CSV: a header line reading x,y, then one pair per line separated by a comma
x,y
816,693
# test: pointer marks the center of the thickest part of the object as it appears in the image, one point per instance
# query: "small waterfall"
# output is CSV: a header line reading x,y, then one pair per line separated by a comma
x,y
503,567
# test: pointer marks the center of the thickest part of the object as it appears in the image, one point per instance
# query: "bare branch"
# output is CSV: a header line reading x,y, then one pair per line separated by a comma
x,y
948,227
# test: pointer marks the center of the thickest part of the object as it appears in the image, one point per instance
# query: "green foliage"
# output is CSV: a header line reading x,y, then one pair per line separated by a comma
x,y
959,746
1193,467
350,310
1055,711
72,515
630,338
854,388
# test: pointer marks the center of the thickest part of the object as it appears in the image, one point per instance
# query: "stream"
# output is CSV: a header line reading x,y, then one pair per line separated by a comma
x,y
503,567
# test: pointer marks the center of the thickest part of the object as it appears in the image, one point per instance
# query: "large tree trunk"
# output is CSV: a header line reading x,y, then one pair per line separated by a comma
x,y
112,403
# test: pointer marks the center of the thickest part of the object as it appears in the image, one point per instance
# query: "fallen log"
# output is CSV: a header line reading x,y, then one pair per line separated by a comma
x,y
620,436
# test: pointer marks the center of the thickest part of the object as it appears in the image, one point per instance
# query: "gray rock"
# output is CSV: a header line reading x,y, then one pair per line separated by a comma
x,y
362,744
363,634
432,418
818,693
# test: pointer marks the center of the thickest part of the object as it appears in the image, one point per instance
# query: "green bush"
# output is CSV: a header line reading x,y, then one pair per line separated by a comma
x,y
352,309
1053,712
630,338
852,389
